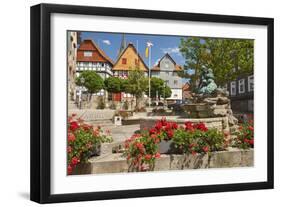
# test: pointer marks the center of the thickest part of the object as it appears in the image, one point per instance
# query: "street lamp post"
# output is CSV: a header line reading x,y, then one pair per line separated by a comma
x,y
149,90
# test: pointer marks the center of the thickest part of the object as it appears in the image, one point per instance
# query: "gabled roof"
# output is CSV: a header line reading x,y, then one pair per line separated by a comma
x,y
186,86
89,45
130,45
157,66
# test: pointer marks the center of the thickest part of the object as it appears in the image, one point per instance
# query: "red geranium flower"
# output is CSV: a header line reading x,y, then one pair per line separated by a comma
x,y
205,148
201,126
69,169
188,126
74,125
139,145
192,145
157,155
251,141
152,131
251,128
153,136
168,127
148,157
170,133
86,127
74,161
174,125
246,140
71,137
163,121
158,125
156,140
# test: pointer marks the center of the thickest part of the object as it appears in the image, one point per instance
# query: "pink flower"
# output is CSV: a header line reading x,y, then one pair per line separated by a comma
x,y
205,148
157,155
71,137
69,149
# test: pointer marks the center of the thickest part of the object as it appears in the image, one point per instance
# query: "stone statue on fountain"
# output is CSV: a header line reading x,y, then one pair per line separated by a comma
x,y
207,83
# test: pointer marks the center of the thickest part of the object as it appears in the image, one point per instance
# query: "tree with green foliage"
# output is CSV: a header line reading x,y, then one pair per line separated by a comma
x,y
136,84
113,84
167,92
91,81
159,87
228,58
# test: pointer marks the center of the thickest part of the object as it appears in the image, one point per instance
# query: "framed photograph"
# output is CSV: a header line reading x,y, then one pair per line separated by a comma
x,y
133,103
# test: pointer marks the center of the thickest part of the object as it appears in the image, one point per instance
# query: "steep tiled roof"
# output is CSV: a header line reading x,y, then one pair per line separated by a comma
x,y
89,45
157,66
118,66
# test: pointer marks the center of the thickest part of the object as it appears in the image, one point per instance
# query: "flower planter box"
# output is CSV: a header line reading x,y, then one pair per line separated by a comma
x,y
234,157
96,150
167,147
164,146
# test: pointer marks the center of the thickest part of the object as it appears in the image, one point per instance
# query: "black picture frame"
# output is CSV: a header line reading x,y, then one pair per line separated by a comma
x,y
41,99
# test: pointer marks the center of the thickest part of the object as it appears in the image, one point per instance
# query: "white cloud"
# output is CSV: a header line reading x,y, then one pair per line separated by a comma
x,y
156,62
171,50
107,42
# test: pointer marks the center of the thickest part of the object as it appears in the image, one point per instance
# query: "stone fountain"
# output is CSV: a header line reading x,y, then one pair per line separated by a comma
x,y
210,105
212,102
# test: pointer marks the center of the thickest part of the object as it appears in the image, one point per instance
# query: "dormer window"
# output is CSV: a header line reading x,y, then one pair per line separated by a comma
x,y
87,54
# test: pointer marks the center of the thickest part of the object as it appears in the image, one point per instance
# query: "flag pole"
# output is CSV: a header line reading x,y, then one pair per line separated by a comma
x,y
149,60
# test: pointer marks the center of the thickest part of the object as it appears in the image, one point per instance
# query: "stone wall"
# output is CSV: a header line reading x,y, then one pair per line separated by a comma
x,y
223,159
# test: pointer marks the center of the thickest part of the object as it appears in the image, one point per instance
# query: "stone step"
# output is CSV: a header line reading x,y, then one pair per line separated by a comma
x,y
93,114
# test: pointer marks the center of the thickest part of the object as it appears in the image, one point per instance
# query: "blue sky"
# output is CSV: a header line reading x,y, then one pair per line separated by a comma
x,y
110,44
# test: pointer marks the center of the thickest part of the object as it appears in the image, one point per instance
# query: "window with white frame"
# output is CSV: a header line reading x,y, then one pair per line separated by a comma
x,y
87,54
251,83
233,88
241,88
